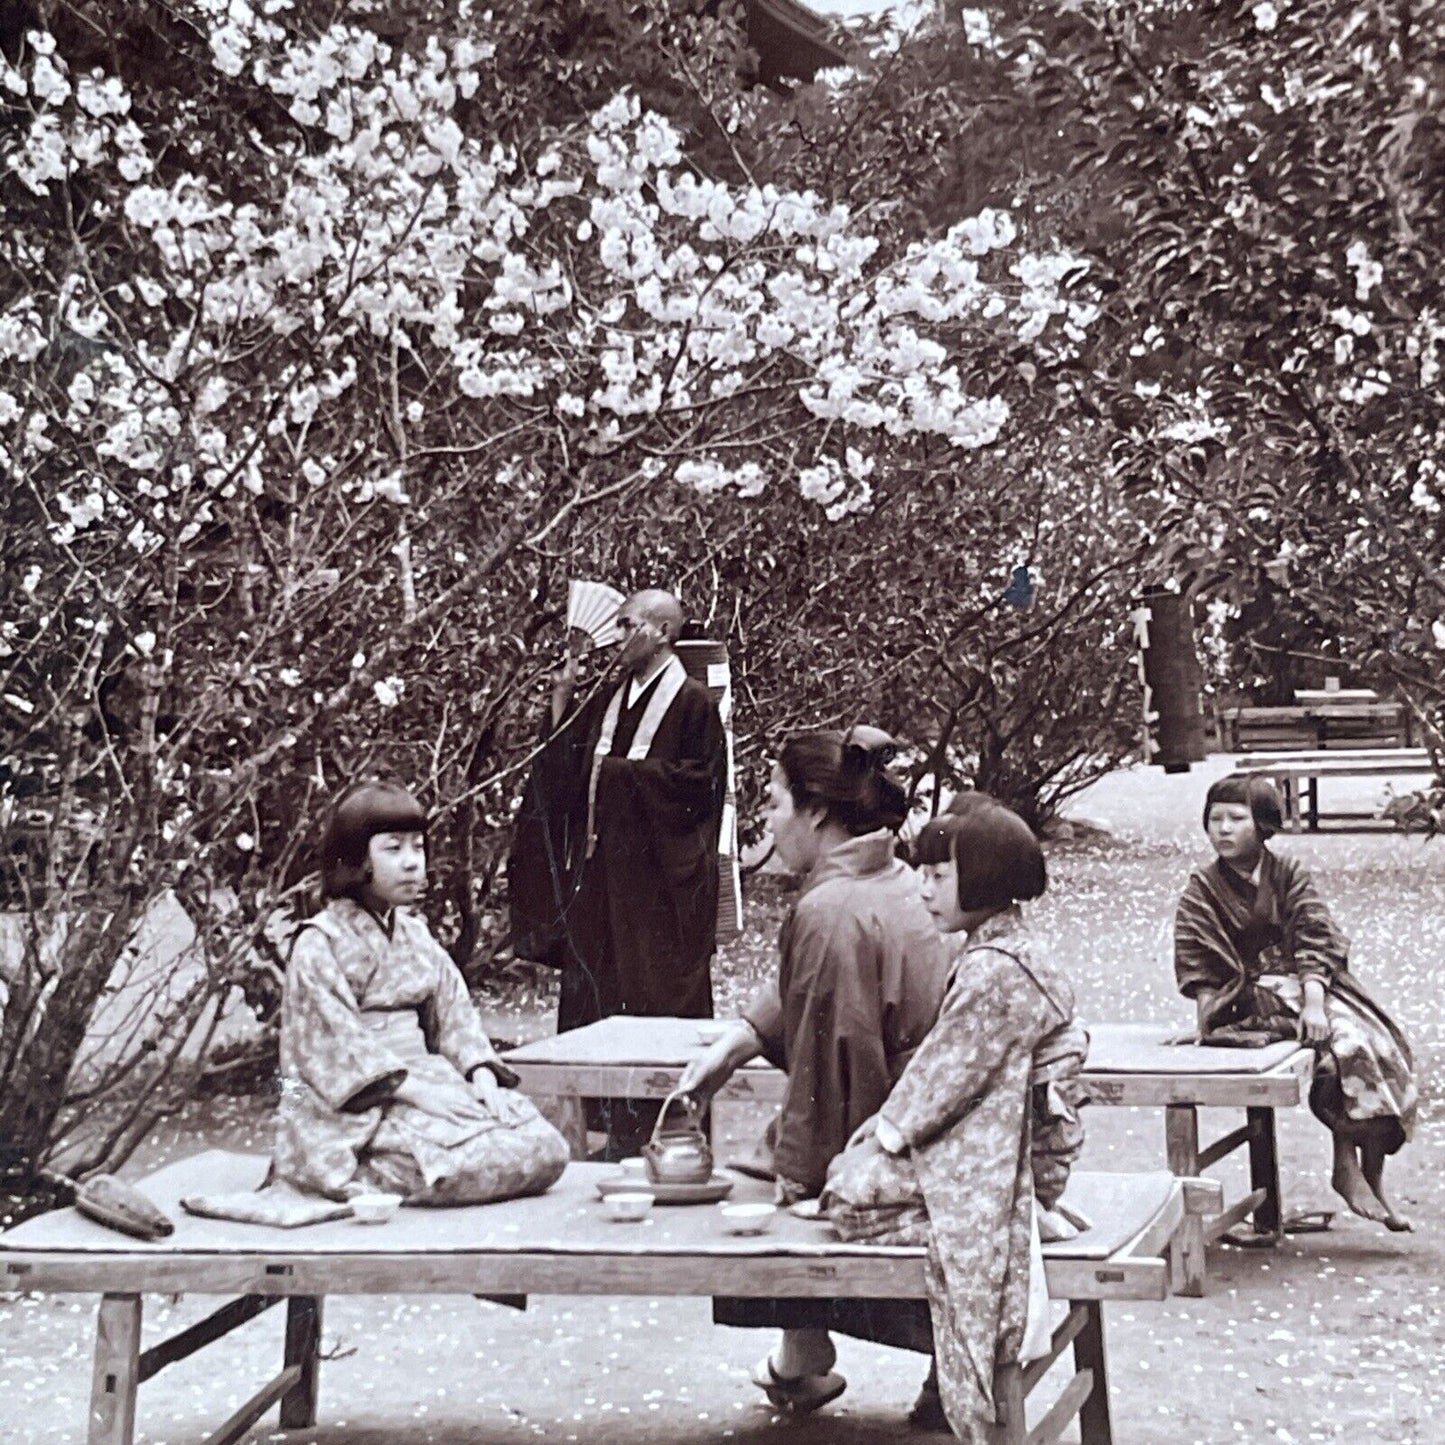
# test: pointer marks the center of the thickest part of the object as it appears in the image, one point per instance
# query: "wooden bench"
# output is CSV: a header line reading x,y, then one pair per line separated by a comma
x,y
558,1243
1298,774
1320,722
1130,1065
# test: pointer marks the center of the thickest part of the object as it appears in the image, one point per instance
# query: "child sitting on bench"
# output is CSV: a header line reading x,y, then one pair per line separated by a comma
x,y
1257,951
388,1082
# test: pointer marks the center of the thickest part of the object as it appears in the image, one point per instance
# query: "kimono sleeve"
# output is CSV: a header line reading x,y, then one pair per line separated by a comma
x,y
1318,948
336,1055
454,1030
764,1015
993,1013
679,793
837,1064
1204,959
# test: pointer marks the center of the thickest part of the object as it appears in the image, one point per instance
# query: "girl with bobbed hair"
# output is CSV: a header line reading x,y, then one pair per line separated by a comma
x,y
983,1124
860,975
388,1081
1257,951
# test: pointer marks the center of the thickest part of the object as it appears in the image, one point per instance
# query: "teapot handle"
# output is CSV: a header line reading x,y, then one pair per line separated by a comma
x,y
674,1097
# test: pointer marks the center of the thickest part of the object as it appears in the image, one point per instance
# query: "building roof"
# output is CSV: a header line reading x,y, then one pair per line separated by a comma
x,y
792,41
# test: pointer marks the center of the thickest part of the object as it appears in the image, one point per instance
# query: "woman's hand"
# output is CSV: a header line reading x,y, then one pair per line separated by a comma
x,y
432,1100
484,1087
1314,1024
889,1139
788,1192
707,1073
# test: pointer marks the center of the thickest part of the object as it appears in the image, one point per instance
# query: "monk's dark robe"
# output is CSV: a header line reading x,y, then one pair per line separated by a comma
x,y
1243,951
632,927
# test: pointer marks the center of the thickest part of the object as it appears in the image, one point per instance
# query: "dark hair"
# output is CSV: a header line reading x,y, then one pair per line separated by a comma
x,y
1256,794
846,774
997,857
362,811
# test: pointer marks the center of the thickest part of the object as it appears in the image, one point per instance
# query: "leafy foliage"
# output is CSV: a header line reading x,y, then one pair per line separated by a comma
x,y
1266,183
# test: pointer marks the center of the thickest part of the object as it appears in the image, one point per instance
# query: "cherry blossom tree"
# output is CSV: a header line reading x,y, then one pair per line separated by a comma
x,y
321,366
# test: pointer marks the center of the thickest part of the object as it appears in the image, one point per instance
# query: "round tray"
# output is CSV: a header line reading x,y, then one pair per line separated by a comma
x,y
718,1187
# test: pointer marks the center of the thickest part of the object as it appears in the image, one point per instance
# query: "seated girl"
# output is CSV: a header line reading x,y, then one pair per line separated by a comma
x,y
860,975
982,1123
387,1079
1257,951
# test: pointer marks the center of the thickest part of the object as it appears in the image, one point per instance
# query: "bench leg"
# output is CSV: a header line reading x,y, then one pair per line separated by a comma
x,y
571,1121
1264,1170
1313,784
1096,1427
1008,1398
116,1377
1186,1254
303,1348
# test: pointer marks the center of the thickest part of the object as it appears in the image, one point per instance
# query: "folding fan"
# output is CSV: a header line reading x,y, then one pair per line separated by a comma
x,y
592,608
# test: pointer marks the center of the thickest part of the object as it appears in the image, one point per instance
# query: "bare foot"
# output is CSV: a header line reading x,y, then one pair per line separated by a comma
x,y
1395,1222
1350,1184
1372,1161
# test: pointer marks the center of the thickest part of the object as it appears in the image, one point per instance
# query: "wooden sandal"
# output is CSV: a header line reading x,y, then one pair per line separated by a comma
x,y
797,1394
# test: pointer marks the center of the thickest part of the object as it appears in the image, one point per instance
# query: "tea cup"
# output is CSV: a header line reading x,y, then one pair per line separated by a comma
x,y
748,1218
628,1207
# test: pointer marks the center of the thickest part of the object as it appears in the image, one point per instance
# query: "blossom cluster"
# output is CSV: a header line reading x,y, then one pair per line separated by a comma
x,y
595,284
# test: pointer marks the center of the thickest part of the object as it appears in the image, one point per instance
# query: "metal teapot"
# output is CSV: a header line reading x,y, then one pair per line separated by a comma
x,y
678,1155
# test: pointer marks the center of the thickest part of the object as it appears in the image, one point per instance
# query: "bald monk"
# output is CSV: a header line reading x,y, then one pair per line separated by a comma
x,y
613,875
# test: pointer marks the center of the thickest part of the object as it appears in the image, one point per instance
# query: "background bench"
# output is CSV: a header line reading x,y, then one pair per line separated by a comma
x,y
1320,724
1298,774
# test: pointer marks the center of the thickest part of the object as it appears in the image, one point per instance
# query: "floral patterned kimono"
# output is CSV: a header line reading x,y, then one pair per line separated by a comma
x,y
988,1110
1246,949
366,1006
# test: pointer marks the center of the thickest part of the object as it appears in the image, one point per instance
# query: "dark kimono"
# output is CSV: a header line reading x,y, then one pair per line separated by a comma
x,y
613,876
987,1110
366,1007
1244,951
860,977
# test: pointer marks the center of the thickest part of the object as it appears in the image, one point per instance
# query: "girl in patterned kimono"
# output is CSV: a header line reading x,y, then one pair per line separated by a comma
x,y
860,976
1256,949
982,1124
387,1080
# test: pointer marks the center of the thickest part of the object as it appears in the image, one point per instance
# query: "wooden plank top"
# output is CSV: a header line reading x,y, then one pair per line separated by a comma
x,y
635,1058
1324,765
1335,755
1146,1049
560,1242
1315,708
1129,1064
627,1042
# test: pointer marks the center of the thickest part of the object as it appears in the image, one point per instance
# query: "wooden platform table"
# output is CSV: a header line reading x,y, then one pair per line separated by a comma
x,y
1137,1065
1129,1064
558,1243
628,1058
